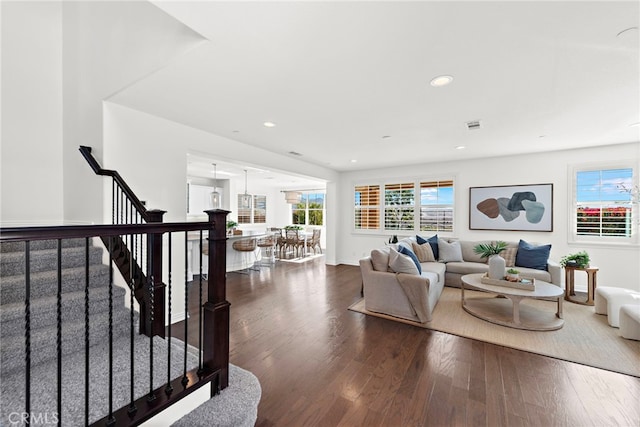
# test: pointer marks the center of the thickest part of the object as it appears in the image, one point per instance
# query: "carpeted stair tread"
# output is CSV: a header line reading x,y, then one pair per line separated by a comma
x,y
235,406
44,382
44,310
38,245
45,283
44,340
13,263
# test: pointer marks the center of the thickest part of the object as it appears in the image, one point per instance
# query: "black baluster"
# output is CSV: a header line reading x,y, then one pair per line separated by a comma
x,y
132,287
27,331
111,420
185,380
113,200
151,289
168,389
59,333
86,332
200,313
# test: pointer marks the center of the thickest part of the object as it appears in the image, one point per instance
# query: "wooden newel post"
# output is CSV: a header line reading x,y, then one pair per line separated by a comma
x,y
216,308
154,245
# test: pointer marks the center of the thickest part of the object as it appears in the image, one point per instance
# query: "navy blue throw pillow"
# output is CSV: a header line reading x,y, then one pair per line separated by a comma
x,y
404,250
433,242
531,256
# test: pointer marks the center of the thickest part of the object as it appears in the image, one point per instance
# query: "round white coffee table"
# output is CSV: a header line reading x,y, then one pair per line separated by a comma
x,y
508,311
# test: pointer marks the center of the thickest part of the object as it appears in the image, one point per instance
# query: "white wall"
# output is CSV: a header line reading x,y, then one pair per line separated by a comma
x,y
107,47
31,169
619,265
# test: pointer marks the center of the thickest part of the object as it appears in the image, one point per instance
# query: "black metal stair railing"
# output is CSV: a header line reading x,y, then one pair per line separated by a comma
x,y
127,208
213,326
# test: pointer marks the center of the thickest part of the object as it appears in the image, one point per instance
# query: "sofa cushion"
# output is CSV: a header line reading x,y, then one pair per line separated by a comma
x,y
469,253
449,251
467,267
424,252
380,259
531,256
435,267
400,263
408,252
433,277
433,241
509,255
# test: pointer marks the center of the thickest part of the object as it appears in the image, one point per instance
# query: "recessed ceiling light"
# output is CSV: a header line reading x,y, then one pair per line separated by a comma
x,y
441,81
460,147
269,124
353,161
634,124
386,136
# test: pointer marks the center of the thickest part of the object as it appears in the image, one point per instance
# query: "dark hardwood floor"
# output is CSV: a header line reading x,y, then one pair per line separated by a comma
x,y
320,364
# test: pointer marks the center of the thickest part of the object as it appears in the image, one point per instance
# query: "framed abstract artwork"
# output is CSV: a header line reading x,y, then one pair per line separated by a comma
x,y
511,207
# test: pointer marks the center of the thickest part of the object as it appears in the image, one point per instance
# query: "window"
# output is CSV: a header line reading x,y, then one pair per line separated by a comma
x,y
436,206
399,204
259,209
367,207
309,210
603,202
256,213
407,205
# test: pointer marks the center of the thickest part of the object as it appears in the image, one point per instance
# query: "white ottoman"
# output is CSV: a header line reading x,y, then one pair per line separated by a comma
x,y
608,301
630,321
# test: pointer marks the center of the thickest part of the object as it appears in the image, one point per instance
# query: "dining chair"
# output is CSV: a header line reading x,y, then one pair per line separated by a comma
x,y
314,242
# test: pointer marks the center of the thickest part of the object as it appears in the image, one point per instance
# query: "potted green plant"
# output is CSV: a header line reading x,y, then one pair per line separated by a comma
x,y
485,250
231,226
496,262
513,275
577,260
293,227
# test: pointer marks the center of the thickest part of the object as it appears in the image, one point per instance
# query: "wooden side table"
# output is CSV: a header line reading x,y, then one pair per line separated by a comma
x,y
570,293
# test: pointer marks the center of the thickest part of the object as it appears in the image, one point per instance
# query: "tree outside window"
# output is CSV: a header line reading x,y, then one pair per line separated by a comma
x,y
310,210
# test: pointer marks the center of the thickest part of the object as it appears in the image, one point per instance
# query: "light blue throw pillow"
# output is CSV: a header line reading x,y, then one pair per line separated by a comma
x,y
531,256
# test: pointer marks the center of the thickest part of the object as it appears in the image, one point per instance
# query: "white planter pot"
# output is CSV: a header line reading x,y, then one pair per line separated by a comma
x,y
497,266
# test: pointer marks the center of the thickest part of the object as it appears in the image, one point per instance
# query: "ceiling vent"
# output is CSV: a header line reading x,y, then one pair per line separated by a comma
x,y
475,124
295,153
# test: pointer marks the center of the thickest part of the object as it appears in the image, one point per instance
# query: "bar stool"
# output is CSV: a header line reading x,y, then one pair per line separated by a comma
x,y
268,245
246,246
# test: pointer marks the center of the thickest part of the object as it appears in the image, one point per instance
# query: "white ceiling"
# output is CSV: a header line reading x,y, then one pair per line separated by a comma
x,y
339,77
200,165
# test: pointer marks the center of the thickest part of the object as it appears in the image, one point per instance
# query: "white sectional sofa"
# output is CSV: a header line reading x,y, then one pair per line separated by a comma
x,y
394,287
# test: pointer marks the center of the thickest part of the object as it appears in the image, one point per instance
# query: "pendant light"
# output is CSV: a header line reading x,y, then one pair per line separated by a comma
x,y
292,197
245,199
215,195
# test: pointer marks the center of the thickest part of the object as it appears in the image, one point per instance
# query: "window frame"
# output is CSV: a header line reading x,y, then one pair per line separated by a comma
x,y
598,240
417,206
251,211
307,210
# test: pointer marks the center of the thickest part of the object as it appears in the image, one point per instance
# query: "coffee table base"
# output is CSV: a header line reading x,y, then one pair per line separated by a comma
x,y
509,312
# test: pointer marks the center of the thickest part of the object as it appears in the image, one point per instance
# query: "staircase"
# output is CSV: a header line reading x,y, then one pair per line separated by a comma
x,y
44,336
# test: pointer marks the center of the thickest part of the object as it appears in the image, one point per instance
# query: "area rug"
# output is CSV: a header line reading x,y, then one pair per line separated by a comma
x,y
585,338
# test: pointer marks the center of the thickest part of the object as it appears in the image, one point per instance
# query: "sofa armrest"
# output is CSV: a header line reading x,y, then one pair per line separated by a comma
x,y
555,270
